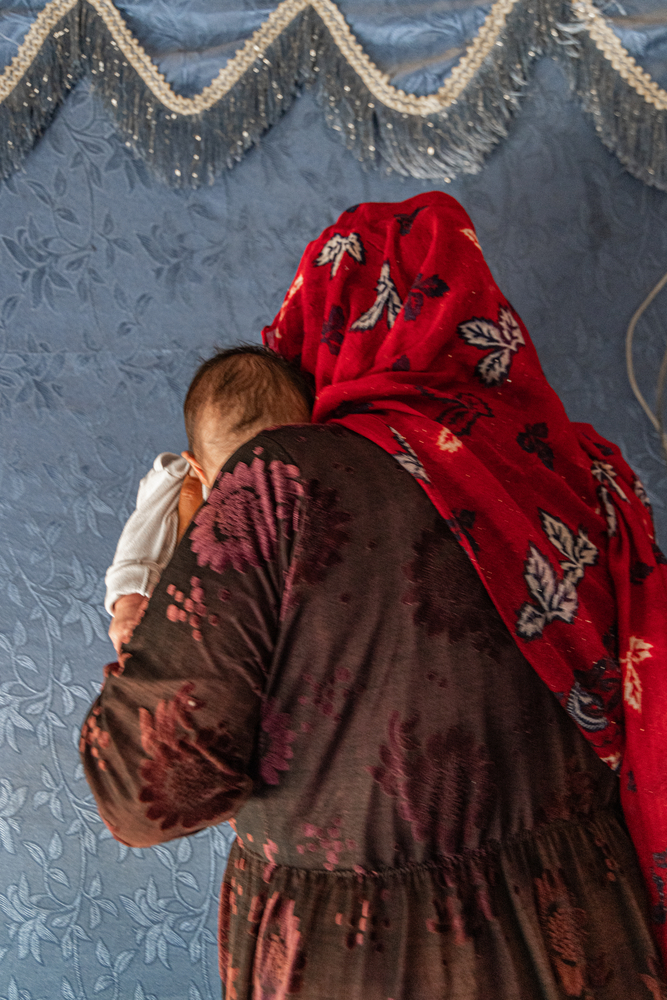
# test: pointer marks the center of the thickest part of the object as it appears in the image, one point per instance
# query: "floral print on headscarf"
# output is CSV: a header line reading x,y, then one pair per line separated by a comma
x,y
396,316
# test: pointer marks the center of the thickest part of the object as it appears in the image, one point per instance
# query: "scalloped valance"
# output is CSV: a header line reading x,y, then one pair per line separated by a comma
x,y
187,141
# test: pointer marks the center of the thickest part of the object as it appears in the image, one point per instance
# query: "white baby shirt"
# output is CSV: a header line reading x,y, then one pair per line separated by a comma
x,y
148,539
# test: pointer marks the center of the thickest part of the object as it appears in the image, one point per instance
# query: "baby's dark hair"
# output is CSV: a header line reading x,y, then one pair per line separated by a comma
x,y
252,382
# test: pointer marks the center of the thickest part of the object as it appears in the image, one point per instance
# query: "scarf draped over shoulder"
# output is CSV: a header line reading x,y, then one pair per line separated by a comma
x,y
397,320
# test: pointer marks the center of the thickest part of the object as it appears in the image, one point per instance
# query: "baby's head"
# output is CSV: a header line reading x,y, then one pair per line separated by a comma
x,y
233,396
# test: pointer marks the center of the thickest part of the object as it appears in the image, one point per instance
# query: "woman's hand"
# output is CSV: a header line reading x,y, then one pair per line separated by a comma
x,y
127,613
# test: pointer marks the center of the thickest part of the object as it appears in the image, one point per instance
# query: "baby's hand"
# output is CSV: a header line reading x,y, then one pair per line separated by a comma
x,y
127,613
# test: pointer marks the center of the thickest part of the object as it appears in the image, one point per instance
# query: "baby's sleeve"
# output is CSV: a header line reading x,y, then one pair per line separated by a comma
x,y
148,539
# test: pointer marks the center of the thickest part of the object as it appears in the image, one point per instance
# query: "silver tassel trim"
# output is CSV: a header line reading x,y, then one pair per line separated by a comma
x,y
188,142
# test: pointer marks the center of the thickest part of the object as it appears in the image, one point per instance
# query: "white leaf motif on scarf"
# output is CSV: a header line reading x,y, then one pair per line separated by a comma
x,y
335,249
291,292
606,474
638,650
472,236
578,550
554,598
504,338
387,297
640,492
609,510
408,458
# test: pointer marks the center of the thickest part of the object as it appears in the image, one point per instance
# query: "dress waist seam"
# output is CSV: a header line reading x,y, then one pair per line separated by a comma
x,y
450,861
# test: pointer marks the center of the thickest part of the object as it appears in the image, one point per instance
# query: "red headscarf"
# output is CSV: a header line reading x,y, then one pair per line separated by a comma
x,y
395,314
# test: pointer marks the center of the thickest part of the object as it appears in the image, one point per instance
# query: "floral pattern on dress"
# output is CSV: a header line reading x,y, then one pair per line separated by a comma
x,y
575,798
190,778
443,787
95,737
327,839
237,525
275,750
279,961
191,610
654,980
323,537
438,608
563,925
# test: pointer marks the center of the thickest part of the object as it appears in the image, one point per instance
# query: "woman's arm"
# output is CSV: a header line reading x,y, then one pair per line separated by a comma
x,y
168,746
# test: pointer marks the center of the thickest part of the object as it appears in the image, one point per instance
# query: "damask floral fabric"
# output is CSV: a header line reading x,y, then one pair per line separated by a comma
x,y
416,815
429,356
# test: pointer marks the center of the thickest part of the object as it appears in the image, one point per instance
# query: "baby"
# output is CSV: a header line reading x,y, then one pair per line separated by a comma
x,y
233,396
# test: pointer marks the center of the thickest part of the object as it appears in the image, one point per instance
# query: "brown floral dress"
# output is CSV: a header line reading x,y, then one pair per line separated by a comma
x,y
417,817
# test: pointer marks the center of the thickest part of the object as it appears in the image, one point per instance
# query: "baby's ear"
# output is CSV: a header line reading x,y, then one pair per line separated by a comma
x,y
195,466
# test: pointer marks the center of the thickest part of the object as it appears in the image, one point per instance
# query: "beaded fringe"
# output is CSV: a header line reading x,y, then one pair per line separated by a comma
x,y
187,143
630,120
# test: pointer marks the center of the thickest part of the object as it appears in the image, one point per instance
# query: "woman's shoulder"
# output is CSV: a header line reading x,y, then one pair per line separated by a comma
x,y
321,445
333,460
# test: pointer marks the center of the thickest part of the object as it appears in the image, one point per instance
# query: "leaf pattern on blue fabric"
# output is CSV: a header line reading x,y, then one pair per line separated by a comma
x,y
335,249
503,338
553,598
387,298
408,458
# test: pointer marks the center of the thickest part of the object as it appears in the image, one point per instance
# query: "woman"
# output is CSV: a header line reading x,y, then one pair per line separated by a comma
x,y
356,647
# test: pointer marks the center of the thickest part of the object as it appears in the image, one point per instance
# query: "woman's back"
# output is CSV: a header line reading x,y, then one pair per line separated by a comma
x,y
399,710
420,818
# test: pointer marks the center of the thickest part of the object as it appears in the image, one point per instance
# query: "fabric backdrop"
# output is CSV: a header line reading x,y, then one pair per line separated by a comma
x,y
111,287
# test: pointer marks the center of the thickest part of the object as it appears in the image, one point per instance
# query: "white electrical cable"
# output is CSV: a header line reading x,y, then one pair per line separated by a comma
x,y
656,420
